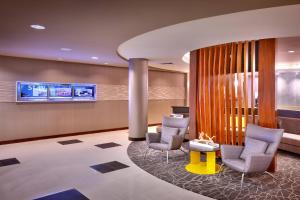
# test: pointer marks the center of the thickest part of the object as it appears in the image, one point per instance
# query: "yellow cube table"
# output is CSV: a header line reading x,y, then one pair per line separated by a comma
x,y
197,166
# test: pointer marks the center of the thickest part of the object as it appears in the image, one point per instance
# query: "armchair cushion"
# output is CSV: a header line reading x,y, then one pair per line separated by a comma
x,y
176,142
153,137
252,147
231,151
167,133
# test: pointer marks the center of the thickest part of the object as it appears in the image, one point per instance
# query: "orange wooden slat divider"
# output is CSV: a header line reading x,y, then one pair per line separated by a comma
x,y
232,89
246,60
252,80
202,97
199,91
227,92
214,95
239,90
209,83
221,96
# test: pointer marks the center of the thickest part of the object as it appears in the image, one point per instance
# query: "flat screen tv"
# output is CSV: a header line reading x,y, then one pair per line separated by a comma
x,y
84,92
54,92
60,91
30,91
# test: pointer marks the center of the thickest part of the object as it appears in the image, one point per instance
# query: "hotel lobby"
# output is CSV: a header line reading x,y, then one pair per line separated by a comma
x,y
120,100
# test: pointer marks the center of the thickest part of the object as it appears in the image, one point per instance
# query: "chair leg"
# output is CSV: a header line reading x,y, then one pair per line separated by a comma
x,y
146,153
221,171
167,157
242,180
270,175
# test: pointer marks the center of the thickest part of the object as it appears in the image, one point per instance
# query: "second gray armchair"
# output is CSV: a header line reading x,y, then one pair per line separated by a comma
x,y
260,147
171,136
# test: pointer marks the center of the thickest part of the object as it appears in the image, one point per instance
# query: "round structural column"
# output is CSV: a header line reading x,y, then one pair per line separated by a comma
x,y
138,98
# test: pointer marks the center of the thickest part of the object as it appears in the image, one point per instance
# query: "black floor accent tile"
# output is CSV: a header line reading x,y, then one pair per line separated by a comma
x,y
71,194
107,145
69,142
109,167
9,161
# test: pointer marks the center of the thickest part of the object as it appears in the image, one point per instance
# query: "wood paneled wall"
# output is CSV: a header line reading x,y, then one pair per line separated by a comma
x,y
222,96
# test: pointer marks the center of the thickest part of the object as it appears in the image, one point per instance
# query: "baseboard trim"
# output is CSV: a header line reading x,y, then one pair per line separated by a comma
x,y
136,139
67,135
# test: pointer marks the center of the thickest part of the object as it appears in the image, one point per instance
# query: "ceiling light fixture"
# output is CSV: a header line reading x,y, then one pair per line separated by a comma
x,y
37,26
65,49
291,51
94,58
106,63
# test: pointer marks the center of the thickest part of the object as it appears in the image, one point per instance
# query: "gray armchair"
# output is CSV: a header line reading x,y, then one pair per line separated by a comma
x,y
260,147
171,136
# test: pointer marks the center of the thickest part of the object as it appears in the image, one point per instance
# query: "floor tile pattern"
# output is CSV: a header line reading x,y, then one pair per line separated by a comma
x,y
109,167
66,142
71,194
9,161
107,145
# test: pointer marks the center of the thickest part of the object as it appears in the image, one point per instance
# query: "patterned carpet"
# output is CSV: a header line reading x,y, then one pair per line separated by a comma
x,y
227,186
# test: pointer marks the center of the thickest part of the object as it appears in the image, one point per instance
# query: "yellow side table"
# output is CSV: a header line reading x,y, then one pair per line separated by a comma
x,y
197,166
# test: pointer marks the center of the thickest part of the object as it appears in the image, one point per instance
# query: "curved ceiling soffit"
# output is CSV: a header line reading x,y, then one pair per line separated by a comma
x,y
170,43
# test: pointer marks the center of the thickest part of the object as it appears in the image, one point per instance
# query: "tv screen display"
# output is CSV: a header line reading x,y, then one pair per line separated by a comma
x,y
60,91
84,91
32,90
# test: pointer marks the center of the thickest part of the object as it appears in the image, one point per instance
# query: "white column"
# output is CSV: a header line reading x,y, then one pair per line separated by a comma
x,y
138,98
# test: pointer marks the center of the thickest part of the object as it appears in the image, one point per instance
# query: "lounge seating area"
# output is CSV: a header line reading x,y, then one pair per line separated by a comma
x,y
290,122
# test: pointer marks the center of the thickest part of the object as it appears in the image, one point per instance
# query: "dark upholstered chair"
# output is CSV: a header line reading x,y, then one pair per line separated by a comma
x,y
260,147
171,136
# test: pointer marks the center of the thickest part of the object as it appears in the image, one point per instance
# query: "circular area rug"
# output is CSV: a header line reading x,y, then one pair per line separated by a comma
x,y
227,186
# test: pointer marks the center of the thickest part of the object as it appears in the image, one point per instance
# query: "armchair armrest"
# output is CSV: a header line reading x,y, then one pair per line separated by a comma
x,y
231,151
258,162
176,142
153,137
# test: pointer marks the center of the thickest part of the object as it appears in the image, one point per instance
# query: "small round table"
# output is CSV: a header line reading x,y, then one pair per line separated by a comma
x,y
197,166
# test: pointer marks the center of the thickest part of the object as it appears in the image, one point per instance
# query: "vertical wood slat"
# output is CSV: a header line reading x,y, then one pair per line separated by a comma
x,y
232,88
252,80
221,100
215,110
239,91
202,97
266,88
205,85
227,92
246,52
209,103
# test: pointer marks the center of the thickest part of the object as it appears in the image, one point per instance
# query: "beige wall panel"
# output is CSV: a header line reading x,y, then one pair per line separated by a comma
x,y
159,108
28,120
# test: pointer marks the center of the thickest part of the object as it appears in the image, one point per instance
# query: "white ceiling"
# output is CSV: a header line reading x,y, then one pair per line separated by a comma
x,y
170,43
98,27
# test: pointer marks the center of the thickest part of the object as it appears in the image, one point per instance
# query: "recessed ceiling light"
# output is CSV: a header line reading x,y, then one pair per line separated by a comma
x,y
65,49
94,58
37,26
106,63
291,51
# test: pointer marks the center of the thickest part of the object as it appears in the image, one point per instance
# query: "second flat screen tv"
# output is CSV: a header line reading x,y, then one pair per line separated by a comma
x,y
60,91
84,92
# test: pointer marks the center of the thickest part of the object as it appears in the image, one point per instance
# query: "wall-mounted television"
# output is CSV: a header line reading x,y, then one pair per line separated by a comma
x,y
52,92
84,92
61,91
28,91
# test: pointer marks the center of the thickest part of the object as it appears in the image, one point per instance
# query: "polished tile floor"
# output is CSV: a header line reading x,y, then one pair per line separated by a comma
x,y
41,168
